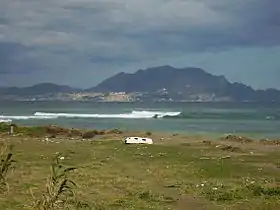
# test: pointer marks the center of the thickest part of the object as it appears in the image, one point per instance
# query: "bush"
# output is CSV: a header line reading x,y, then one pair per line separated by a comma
x,y
115,131
240,139
148,133
55,130
74,133
89,135
231,148
4,127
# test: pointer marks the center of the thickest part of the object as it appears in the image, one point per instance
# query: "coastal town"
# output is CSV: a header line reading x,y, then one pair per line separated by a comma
x,y
156,96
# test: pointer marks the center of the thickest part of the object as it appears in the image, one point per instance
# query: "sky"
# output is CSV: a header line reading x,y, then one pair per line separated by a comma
x,y
82,42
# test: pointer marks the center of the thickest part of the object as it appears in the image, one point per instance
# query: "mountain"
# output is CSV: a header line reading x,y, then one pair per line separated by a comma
x,y
162,83
184,84
39,89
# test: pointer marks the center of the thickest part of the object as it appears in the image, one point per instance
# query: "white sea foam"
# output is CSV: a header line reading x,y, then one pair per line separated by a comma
x,y
131,115
7,118
5,121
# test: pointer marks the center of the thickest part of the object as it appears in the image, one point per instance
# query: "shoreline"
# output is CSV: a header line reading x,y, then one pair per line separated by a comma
x,y
54,131
195,134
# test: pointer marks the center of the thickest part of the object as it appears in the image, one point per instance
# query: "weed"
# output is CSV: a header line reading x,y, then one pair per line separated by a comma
x,y
264,191
223,195
59,188
5,165
151,197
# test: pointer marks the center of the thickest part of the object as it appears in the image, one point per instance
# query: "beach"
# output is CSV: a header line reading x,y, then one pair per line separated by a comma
x,y
177,172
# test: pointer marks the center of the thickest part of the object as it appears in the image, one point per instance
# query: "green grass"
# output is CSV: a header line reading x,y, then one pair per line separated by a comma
x,y
112,175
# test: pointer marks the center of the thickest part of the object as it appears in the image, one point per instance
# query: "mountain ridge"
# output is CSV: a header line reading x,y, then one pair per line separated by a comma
x,y
184,83
37,89
162,82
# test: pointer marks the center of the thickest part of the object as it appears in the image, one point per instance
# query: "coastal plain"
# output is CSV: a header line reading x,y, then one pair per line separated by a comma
x,y
176,172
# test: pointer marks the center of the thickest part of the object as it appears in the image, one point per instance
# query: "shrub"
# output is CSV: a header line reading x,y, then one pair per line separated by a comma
x,y
88,135
4,127
264,191
239,139
59,188
148,133
115,131
74,133
5,165
231,148
55,130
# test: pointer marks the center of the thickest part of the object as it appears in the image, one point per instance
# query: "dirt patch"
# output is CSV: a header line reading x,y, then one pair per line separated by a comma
x,y
55,130
230,148
240,139
191,203
207,142
270,142
269,166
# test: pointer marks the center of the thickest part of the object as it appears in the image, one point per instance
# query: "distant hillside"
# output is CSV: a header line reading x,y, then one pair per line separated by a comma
x,y
39,89
162,83
183,84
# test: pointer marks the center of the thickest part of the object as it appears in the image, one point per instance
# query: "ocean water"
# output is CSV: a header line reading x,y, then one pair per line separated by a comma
x,y
209,119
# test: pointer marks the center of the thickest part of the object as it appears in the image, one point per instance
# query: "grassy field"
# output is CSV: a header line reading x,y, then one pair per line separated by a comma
x,y
177,172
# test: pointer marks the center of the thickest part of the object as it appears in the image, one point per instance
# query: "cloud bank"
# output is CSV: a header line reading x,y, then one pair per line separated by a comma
x,y
96,37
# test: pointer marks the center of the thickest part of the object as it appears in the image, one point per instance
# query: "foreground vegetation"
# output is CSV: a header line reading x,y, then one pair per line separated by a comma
x,y
56,168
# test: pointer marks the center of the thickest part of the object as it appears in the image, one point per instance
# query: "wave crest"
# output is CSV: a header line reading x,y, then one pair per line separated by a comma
x,y
132,115
29,117
5,121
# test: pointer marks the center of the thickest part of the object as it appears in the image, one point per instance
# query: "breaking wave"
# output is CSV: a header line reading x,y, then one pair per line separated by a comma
x,y
4,118
228,116
131,115
5,121
145,114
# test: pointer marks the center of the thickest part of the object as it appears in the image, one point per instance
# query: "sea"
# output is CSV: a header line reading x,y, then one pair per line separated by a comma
x,y
203,119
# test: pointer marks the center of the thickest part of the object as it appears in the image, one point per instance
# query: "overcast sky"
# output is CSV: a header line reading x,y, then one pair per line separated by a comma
x,y
81,42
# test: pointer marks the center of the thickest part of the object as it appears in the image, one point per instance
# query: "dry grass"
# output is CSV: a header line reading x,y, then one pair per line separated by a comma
x,y
177,175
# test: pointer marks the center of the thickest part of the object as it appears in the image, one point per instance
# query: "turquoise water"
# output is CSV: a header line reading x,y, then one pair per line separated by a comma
x,y
255,120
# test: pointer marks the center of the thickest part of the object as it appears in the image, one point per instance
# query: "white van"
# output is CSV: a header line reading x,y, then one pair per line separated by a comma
x,y
138,140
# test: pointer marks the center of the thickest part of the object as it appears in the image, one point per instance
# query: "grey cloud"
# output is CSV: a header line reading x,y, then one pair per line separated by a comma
x,y
96,32
13,59
3,21
183,25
